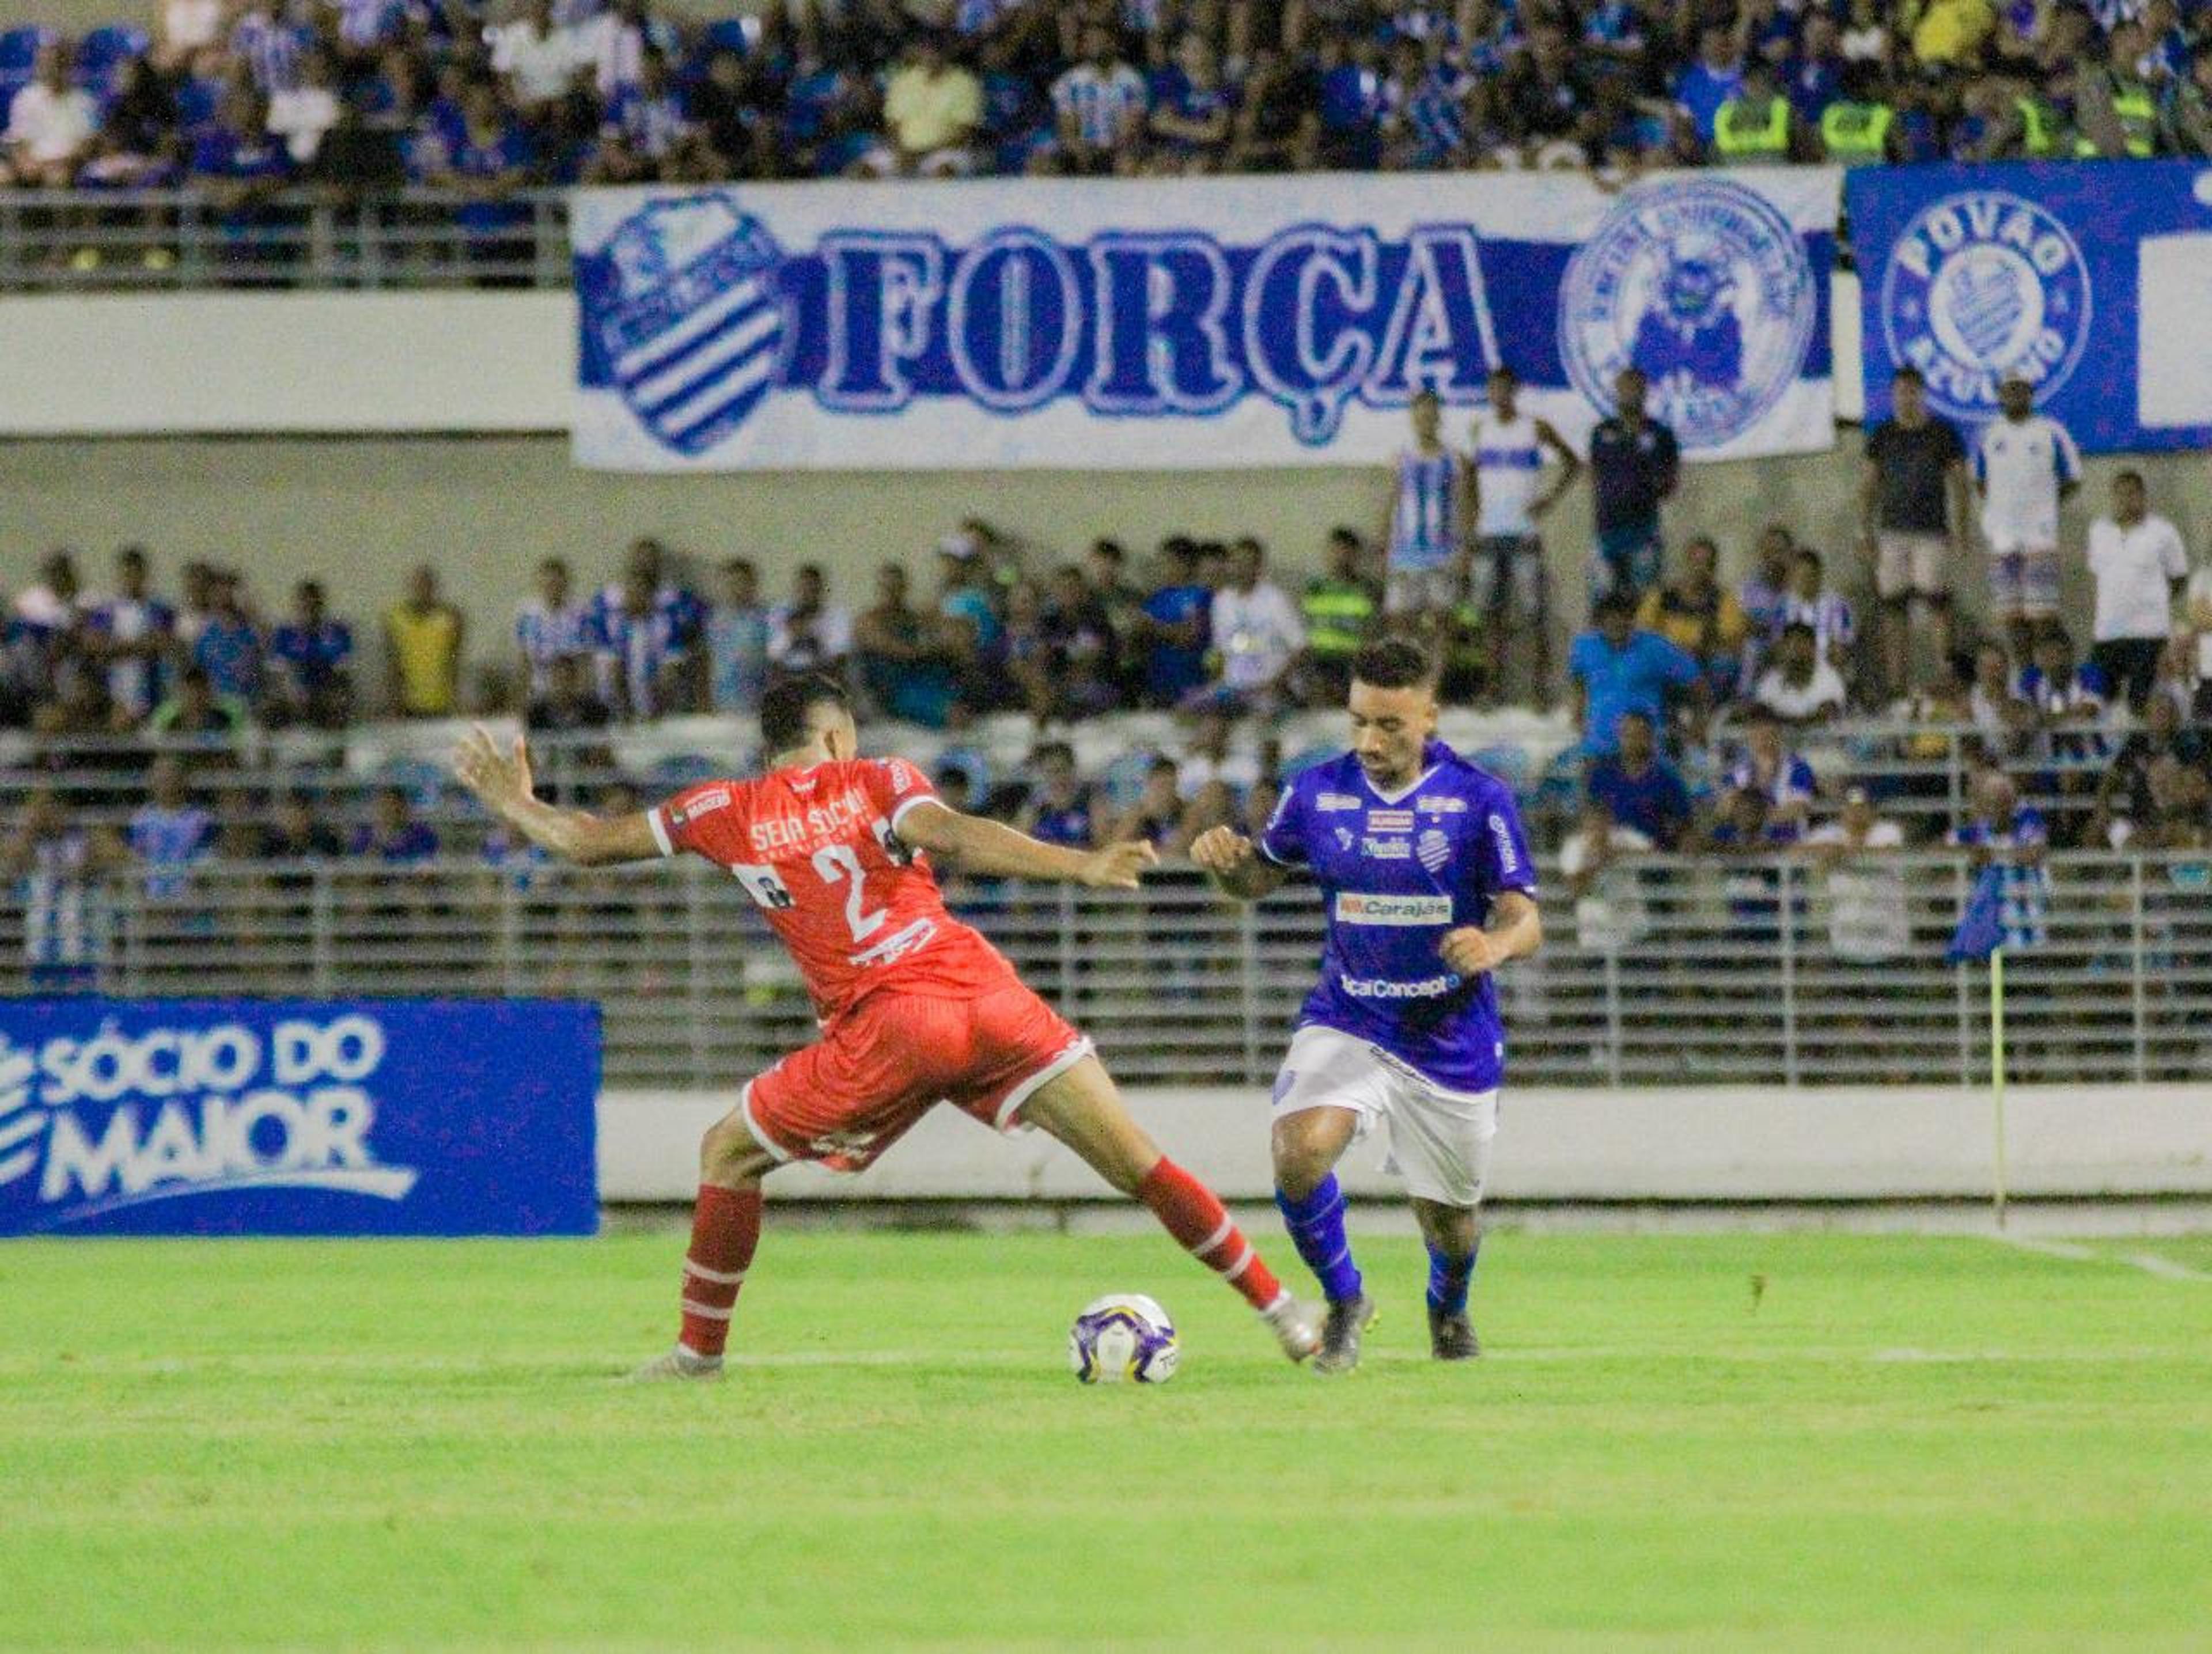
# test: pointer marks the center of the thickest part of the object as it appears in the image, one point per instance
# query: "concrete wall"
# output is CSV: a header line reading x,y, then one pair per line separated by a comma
x,y
359,512
1732,1143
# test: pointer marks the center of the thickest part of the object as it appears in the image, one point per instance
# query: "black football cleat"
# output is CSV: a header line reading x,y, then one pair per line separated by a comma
x,y
1451,1336
1339,1335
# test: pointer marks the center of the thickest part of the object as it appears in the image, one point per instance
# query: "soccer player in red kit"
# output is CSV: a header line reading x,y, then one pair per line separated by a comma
x,y
915,1008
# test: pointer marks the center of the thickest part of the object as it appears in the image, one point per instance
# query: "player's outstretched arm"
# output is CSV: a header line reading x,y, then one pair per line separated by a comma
x,y
501,783
1233,862
991,848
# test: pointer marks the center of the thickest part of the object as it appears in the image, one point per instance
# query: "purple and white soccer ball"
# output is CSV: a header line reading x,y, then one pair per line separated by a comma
x,y
1123,1335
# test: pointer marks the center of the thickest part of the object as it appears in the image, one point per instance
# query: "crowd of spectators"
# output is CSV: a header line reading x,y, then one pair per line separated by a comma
x,y
240,96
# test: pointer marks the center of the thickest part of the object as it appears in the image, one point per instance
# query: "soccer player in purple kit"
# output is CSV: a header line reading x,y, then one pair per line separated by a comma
x,y
1425,876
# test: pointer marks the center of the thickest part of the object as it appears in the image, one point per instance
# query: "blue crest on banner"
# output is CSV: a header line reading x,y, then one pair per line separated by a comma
x,y
686,307
1706,288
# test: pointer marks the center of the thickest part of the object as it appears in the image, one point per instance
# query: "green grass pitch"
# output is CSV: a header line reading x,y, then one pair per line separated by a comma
x,y
1895,1444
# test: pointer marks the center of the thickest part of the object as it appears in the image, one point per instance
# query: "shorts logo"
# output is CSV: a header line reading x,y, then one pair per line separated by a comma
x,y
1432,849
1284,1081
686,303
1981,286
1358,908
1706,287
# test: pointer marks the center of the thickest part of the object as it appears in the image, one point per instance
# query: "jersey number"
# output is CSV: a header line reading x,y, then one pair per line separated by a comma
x,y
837,861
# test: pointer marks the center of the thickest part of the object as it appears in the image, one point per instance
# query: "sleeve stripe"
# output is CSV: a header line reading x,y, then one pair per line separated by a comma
x,y
1267,855
899,809
653,819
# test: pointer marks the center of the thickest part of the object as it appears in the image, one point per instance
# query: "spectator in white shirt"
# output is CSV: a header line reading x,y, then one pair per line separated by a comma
x,y
810,633
188,28
1869,923
538,56
1099,106
2139,563
1800,688
1809,603
50,126
1256,629
2024,465
2197,610
301,114
1611,913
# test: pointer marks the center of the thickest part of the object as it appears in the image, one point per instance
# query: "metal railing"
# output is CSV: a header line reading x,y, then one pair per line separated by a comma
x,y
1763,969
70,240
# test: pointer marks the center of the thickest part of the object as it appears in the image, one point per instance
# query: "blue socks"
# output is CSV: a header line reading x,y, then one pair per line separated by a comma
x,y
1447,1280
1316,1226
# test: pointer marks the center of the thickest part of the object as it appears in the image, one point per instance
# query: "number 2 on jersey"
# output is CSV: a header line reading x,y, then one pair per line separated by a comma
x,y
838,861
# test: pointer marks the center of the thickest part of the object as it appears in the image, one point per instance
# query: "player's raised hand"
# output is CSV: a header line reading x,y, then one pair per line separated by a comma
x,y
1118,867
497,778
1470,952
1221,850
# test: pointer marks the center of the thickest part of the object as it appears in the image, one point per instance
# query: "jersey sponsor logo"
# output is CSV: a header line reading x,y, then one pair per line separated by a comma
x,y
897,946
1984,285
1432,849
1446,806
1390,821
789,832
1335,801
1344,837
1382,988
1363,907
123,1119
699,803
903,777
1707,288
1387,849
1509,858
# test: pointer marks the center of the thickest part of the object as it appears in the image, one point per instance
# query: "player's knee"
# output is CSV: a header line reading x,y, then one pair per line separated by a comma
x,y
1302,1161
726,1151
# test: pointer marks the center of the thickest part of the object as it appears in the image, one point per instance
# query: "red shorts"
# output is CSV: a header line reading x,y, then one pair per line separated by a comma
x,y
893,1057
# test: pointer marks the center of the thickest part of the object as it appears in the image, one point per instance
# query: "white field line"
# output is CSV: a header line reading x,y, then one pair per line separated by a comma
x,y
2150,1262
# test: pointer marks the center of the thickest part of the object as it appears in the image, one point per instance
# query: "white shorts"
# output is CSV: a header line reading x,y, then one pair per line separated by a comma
x,y
1411,591
1439,1139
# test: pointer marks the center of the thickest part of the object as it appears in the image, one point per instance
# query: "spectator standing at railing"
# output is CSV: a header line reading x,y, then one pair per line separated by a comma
x,y
1635,465
932,108
1810,603
56,864
2197,617
296,833
2005,722
1869,922
1257,633
549,625
170,834
1638,787
1425,534
1100,105
535,55
1508,500
1191,120
1776,771
2015,839
1339,608
52,124
133,633
1912,519
197,712
1611,916
393,835
184,30
1171,631
1060,809
312,652
237,165
1761,594
643,653
423,636
301,114
2127,798
2139,563
2024,465
1710,80
230,648
1089,653
1700,616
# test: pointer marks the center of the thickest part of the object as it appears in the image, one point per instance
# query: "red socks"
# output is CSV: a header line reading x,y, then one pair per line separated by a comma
x,y
724,1228
1194,1214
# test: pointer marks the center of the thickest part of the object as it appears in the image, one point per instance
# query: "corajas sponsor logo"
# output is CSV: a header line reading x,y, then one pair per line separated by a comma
x,y
1381,987
124,1119
1358,908
1984,285
698,318
1707,288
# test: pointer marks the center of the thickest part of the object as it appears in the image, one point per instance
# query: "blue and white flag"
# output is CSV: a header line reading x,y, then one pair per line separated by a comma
x,y
1190,323
1981,922
2090,279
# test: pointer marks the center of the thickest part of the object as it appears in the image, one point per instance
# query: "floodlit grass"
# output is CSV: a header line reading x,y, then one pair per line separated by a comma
x,y
1890,1444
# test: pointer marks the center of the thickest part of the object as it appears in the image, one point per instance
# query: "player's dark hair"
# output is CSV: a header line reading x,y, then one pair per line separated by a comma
x,y
1908,375
787,708
1393,663
2130,476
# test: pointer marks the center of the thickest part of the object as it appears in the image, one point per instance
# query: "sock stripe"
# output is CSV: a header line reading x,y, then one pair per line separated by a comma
x,y
707,1311
1244,1261
1215,1238
718,1277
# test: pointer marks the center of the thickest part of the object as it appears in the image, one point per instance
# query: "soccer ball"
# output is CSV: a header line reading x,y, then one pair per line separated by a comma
x,y
1123,1335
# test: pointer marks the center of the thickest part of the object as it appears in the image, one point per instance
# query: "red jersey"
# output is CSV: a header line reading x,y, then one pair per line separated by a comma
x,y
818,850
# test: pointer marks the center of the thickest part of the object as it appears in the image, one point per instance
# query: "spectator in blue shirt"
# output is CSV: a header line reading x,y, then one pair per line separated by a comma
x,y
1172,633
1716,76
228,646
237,164
1634,466
1352,90
392,835
1774,771
313,654
1617,668
1639,789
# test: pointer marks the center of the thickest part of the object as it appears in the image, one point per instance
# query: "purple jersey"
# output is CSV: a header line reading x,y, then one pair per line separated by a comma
x,y
1395,874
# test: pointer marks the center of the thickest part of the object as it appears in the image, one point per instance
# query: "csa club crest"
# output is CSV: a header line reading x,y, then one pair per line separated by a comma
x,y
1705,287
1982,286
686,306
